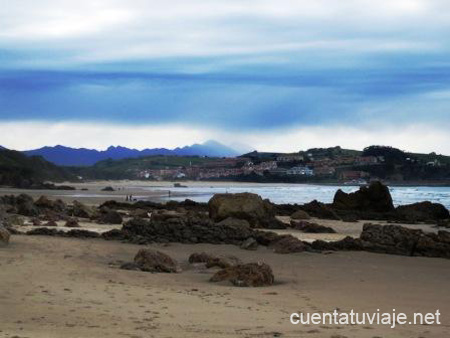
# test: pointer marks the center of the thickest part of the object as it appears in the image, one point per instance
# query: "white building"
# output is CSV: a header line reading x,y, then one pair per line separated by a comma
x,y
302,171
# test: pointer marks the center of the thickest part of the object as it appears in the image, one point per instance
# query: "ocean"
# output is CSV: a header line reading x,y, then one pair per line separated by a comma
x,y
303,193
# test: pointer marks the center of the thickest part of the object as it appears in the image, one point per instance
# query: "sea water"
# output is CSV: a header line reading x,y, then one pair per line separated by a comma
x,y
304,193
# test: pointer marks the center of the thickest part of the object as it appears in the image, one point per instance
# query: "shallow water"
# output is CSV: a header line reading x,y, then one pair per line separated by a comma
x,y
303,193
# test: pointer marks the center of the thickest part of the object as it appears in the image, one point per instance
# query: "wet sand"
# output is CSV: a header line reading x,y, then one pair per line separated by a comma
x,y
60,287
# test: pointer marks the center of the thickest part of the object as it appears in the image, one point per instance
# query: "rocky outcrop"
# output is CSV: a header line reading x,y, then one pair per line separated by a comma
x,y
320,210
422,212
189,229
313,228
155,261
250,207
376,198
246,275
393,239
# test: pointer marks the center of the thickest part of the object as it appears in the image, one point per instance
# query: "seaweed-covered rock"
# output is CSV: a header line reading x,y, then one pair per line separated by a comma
x,y
246,275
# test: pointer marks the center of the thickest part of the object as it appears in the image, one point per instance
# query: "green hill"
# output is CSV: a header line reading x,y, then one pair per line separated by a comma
x,y
19,170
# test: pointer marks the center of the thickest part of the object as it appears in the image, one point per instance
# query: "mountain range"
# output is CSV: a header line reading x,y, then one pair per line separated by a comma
x,y
66,156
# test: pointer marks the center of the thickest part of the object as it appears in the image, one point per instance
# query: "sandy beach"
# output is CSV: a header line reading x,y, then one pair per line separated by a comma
x,y
58,287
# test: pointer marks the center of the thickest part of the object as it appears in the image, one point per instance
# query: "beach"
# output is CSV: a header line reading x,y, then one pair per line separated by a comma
x,y
60,287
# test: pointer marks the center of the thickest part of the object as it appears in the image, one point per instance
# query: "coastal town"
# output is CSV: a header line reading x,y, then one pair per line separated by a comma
x,y
311,165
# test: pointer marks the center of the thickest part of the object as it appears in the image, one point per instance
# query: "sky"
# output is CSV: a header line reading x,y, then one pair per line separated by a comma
x,y
280,75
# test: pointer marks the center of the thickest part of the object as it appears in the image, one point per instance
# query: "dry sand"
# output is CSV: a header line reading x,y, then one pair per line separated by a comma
x,y
59,287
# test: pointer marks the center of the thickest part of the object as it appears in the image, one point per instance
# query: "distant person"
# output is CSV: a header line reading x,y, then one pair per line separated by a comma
x,y
169,193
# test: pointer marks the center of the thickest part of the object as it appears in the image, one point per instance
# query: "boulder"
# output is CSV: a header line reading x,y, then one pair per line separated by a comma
x,y
249,244
4,236
247,206
51,224
36,222
141,213
286,244
25,206
392,239
300,214
44,202
155,261
423,211
376,198
246,275
214,261
72,223
197,257
110,217
320,210
312,228
82,211
108,189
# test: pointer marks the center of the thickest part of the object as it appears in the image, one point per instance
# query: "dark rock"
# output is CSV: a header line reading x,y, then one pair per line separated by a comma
x,y
222,262
36,221
197,257
286,244
376,197
80,233
45,203
155,261
72,223
249,244
392,239
82,211
423,211
130,266
51,224
235,222
4,236
140,213
110,217
114,234
309,227
213,260
25,206
45,232
108,189
346,244
300,214
320,210
246,275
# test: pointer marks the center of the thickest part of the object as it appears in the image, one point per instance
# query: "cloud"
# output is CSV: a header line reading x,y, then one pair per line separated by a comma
x,y
415,137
